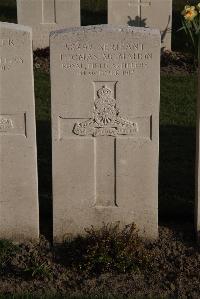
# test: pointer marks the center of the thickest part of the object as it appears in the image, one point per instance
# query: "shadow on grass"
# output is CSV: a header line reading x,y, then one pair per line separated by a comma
x,y
177,173
45,178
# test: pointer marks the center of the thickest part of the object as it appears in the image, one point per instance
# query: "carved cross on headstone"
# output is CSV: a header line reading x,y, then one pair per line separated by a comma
x,y
48,11
105,127
140,4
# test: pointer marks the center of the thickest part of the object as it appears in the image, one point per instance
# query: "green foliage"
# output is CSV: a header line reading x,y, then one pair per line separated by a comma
x,y
191,26
27,260
38,269
109,249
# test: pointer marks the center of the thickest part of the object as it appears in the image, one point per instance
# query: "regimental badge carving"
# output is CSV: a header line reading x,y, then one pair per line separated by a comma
x,y
5,124
106,120
13,124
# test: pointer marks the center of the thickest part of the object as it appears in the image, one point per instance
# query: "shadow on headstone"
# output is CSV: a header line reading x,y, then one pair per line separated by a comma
x,y
164,32
137,22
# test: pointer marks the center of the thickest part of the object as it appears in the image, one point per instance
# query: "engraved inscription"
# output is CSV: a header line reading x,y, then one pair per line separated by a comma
x,y
77,46
105,59
6,42
106,120
5,123
6,63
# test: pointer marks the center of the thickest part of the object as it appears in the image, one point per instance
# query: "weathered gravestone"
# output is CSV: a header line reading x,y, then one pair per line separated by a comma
x,y
19,219
45,16
105,114
143,13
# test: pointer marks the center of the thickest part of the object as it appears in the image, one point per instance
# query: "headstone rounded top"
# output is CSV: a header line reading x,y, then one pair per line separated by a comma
x,y
15,27
107,28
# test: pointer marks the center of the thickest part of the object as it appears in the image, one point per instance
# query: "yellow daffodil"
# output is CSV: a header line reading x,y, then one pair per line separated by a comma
x,y
189,12
191,26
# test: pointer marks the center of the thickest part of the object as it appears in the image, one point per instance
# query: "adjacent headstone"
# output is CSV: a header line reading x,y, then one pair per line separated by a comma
x,y
45,16
19,212
143,13
105,115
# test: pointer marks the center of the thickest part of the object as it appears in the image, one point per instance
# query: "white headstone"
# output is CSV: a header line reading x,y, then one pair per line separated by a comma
x,y
19,212
45,16
105,118
143,13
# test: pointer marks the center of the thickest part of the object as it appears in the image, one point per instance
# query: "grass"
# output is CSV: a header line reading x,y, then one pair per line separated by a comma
x,y
178,100
177,146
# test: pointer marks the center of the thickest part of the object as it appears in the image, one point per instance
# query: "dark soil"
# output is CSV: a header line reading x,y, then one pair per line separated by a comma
x,y
41,60
166,268
177,63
